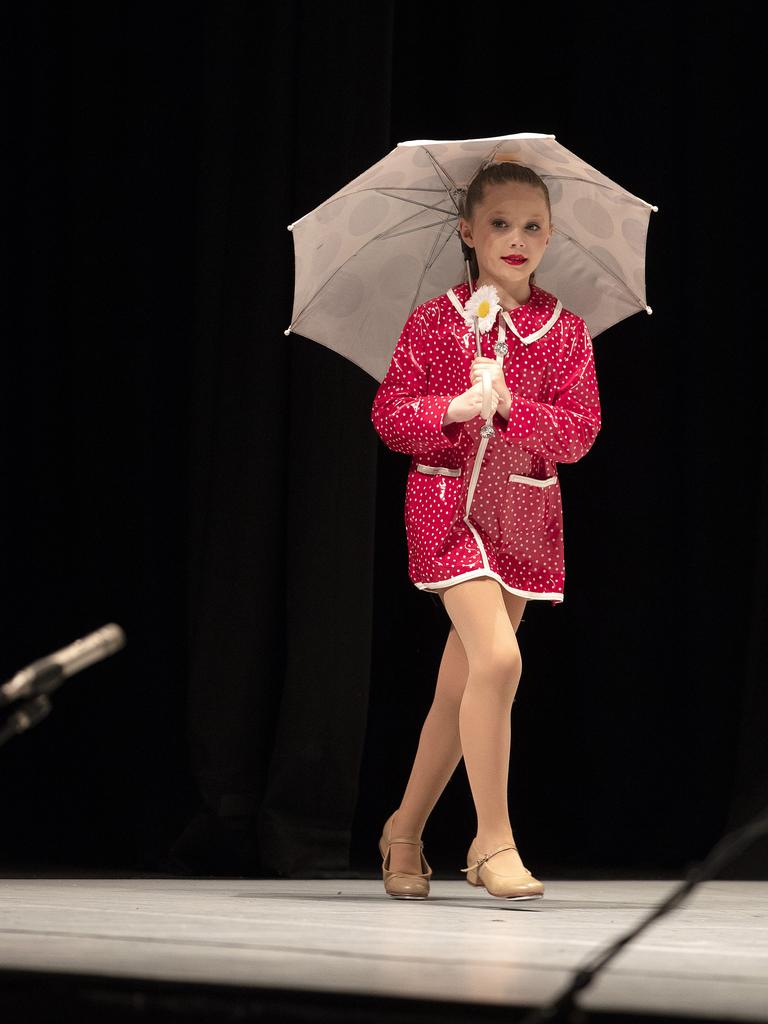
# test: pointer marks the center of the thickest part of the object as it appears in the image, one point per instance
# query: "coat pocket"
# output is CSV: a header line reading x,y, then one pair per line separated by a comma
x,y
528,517
431,500
437,470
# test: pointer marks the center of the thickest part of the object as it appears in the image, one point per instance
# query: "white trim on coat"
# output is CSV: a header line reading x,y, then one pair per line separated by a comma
x,y
441,470
494,575
483,553
457,303
506,317
532,480
541,331
486,571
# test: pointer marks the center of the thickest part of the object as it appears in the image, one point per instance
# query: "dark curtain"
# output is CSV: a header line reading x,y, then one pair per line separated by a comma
x,y
283,467
174,462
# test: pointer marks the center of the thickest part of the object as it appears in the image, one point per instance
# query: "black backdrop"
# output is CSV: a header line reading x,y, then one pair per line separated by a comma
x,y
173,462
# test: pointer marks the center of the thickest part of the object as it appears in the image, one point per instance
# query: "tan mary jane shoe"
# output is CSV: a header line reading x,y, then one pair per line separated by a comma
x,y
511,887
403,885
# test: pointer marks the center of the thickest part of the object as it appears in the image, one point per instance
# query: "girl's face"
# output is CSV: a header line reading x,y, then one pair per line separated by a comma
x,y
511,220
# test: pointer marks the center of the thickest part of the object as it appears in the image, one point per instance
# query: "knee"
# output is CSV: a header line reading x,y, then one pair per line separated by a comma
x,y
506,660
500,667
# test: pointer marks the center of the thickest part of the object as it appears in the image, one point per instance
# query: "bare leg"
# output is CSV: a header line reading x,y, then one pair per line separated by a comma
x,y
438,753
515,606
439,750
478,611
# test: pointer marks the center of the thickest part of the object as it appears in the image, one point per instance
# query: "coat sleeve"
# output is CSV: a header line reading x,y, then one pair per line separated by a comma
x,y
565,430
404,416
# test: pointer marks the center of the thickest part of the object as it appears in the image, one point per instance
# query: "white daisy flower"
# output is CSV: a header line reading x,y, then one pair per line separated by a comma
x,y
483,305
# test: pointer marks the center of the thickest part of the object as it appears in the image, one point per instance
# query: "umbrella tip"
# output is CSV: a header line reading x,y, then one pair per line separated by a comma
x,y
290,227
288,331
648,309
655,209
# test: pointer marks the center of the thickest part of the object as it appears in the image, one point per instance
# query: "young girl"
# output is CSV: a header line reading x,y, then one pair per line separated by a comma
x,y
483,513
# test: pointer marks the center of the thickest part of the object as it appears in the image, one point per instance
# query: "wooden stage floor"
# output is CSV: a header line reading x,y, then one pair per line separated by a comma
x,y
706,959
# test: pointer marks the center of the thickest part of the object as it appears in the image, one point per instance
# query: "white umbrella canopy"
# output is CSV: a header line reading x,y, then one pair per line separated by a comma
x,y
387,242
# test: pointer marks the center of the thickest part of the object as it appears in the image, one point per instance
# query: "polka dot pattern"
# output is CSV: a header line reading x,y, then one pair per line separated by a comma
x,y
510,526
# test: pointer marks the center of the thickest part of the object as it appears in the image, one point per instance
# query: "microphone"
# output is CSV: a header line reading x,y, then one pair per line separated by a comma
x,y
47,674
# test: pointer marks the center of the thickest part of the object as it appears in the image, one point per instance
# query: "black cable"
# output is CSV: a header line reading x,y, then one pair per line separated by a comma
x,y
725,850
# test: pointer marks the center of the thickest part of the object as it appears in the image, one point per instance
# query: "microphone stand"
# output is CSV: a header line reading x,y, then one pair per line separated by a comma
x,y
33,684
30,713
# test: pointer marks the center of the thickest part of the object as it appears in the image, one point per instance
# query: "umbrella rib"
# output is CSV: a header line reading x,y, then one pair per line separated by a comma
x,y
380,189
606,268
309,302
451,214
598,184
421,227
439,167
428,264
425,206
401,188
391,233
407,231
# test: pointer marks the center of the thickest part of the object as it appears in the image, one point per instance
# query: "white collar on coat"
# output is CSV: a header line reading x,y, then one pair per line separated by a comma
x,y
539,304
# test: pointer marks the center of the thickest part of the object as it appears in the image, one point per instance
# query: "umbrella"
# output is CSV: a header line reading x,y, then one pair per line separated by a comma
x,y
383,244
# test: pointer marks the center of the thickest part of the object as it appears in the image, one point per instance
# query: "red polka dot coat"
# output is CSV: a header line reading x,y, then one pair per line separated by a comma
x,y
489,506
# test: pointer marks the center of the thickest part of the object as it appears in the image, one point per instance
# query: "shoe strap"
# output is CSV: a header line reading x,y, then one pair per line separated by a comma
x,y
409,874
487,856
409,841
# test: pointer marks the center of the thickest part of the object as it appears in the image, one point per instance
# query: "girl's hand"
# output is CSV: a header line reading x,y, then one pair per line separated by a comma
x,y
470,404
497,377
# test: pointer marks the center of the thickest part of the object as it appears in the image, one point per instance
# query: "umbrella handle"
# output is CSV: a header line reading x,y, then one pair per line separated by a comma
x,y
485,411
